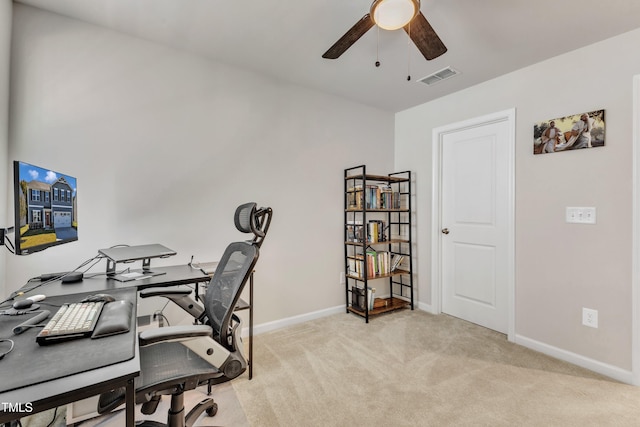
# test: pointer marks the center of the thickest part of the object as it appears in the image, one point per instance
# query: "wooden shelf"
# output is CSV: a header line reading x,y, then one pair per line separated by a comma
x,y
386,242
380,276
391,304
383,178
374,210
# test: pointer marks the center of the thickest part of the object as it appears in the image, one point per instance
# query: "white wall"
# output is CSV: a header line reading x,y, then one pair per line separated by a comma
x,y
5,48
165,145
560,268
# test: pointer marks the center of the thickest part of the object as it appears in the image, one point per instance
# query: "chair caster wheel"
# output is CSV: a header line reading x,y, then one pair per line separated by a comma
x,y
212,410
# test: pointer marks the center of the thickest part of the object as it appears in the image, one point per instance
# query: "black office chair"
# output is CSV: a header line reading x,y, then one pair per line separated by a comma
x,y
248,219
210,352
175,359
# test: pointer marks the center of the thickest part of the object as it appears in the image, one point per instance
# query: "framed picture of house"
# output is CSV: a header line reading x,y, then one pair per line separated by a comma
x,y
584,130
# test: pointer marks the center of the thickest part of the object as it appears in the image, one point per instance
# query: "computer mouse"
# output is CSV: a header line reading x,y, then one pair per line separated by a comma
x,y
99,297
22,304
28,302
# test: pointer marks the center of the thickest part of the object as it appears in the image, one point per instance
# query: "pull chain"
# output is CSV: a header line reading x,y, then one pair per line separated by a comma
x,y
377,46
409,53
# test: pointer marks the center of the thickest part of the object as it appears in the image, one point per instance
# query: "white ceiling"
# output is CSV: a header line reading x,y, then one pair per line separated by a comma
x,y
286,38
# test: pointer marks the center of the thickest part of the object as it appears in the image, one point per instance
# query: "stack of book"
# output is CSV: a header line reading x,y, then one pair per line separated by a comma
x,y
354,197
373,197
358,300
376,231
378,263
355,267
355,232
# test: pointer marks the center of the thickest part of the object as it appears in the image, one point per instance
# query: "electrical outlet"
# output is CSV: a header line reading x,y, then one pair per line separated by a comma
x,y
342,278
590,317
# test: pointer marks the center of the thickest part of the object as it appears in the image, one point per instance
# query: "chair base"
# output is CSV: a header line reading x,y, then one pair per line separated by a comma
x,y
175,417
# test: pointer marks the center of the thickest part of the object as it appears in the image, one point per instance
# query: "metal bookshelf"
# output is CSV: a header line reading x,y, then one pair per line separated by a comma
x,y
377,232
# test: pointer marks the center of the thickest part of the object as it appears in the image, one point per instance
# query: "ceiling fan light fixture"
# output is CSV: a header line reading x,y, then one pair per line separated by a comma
x,y
394,14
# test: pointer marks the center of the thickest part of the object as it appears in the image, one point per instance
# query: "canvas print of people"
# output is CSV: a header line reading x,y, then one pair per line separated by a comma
x,y
585,130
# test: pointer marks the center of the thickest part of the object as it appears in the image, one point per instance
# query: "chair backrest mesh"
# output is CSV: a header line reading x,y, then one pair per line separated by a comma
x,y
244,217
223,291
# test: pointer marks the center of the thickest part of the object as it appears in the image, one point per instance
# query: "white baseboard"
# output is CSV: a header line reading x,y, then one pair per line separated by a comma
x,y
610,371
426,307
289,321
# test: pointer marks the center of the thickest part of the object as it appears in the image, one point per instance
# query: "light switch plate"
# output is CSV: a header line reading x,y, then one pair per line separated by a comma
x,y
581,215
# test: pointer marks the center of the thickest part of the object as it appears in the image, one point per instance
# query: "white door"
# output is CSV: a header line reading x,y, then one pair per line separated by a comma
x,y
476,176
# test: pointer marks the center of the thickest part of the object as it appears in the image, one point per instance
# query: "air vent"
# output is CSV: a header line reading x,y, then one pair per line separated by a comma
x,y
438,76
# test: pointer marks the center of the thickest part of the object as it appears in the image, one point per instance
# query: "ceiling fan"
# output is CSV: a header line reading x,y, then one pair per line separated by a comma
x,y
393,15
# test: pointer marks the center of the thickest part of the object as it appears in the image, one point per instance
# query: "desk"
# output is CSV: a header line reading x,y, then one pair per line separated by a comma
x,y
77,386
32,380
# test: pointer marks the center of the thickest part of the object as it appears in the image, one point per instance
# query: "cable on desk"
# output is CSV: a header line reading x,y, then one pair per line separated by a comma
x,y
4,353
18,293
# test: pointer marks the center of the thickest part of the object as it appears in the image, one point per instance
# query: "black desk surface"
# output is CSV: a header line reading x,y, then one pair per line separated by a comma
x,y
37,374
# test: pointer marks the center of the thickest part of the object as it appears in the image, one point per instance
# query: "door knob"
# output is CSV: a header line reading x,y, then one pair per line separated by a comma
x,y
445,231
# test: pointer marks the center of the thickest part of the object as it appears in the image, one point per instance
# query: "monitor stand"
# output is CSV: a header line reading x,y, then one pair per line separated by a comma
x,y
134,253
136,275
133,274
139,275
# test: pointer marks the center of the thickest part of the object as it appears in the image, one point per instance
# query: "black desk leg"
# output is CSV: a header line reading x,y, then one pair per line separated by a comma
x,y
251,326
130,404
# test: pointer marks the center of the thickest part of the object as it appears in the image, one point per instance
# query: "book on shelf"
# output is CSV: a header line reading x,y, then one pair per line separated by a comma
x,y
373,196
355,231
376,263
358,300
354,197
389,199
355,267
376,231
371,296
396,261
382,197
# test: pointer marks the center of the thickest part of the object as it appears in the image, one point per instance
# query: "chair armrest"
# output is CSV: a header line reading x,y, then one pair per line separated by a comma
x,y
159,292
173,333
180,296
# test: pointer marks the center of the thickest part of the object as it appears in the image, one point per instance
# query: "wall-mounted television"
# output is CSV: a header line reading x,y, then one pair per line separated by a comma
x,y
46,208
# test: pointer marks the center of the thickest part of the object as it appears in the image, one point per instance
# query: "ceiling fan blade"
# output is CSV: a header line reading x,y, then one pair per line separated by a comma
x,y
424,37
350,37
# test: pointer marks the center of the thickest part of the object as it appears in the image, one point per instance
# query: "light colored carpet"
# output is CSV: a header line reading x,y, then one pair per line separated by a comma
x,y
410,368
407,368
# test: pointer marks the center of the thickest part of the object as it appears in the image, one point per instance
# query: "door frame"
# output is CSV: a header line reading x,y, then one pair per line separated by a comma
x,y
436,208
635,247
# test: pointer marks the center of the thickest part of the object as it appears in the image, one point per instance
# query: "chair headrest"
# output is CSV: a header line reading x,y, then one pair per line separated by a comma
x,y
250,219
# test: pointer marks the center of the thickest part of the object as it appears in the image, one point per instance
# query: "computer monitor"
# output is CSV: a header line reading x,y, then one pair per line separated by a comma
x,y
46,208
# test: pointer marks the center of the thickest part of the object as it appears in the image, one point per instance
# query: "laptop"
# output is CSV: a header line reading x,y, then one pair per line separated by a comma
x,y
134,253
